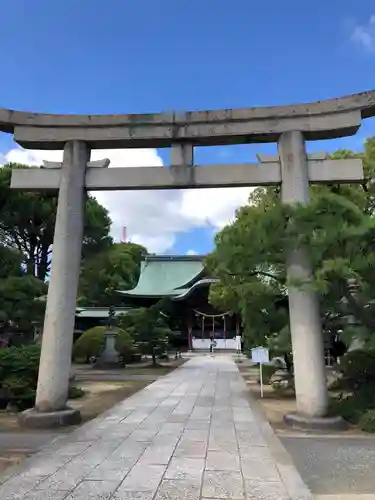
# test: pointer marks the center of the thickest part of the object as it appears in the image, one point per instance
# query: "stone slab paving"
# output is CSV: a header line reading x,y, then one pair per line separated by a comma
x,y
190,435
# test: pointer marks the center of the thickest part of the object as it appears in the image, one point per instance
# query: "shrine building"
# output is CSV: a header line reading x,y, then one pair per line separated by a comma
x,y
183,280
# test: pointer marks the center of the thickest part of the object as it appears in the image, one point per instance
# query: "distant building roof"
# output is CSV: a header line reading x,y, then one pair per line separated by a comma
x,y
167,276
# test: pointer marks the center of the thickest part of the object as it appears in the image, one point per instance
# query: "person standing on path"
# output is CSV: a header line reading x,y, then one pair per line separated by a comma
x,y
212,345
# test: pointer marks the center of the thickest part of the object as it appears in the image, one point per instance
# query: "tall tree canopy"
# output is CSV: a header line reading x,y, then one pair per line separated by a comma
x,y
338,226
27,223
115,268
18,293
19,305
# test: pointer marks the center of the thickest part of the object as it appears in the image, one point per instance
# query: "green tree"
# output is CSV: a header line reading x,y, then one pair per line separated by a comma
x,y
10,262
18,304
149,329
27,223
90,343
115,268
338,226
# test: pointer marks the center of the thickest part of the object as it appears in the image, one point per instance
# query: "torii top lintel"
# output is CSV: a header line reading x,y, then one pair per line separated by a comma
x,y
317,120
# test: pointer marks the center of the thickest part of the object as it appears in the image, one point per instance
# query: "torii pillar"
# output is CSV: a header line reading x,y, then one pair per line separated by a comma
x,y
55,362
304,311
297,171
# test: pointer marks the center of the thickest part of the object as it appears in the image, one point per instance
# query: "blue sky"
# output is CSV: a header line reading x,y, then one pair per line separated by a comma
x,y
122,56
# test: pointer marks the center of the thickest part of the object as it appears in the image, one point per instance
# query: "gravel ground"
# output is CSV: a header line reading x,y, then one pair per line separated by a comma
x,y
334,465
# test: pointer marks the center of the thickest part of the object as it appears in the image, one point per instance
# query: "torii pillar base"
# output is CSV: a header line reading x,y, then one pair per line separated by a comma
x,y
34,419
321,424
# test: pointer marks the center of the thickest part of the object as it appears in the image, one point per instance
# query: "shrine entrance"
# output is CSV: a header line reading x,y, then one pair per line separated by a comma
x,y
293,169
222,327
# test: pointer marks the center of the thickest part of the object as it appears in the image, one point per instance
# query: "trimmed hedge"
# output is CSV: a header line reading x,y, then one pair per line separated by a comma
x,y
358,377
267,372
367,421
91,344
357,369
19,368
126,348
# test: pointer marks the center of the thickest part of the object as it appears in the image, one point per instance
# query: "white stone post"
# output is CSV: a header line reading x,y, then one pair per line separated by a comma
x,y
55,361
305,324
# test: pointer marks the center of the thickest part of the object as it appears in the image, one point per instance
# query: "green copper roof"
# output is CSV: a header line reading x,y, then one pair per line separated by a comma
x,y
167,276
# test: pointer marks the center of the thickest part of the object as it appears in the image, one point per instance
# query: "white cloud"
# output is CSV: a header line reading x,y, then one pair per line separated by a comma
x,y
214,207
192,252
364,35
152,218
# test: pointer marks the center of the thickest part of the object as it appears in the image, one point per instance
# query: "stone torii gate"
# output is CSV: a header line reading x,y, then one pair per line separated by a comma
x,y
290,126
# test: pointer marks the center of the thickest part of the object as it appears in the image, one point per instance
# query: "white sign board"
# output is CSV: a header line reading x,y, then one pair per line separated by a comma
x,y
260,355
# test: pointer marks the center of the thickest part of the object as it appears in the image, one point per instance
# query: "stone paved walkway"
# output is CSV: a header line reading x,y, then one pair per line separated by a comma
x,y
190,435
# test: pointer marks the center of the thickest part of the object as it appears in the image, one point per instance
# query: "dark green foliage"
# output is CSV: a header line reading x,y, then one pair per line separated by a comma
x,y
126,348
90,343
352,407
115,268
10,262
338,228
75,392
267,372
19,368
18,302
357,369
27,223
149,330
367,421
347,408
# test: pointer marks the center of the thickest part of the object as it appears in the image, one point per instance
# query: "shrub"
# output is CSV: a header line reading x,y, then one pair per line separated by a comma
x,y
125,346
283,383
347,408
75,392
20,362
90,343
354,406
19,368
357,369
367,421
267,372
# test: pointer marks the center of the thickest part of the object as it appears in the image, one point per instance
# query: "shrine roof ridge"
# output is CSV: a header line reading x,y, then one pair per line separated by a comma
x,y
179,258
329,118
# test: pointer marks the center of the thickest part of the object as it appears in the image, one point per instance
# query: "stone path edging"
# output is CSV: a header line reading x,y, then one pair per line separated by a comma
x,y
293,481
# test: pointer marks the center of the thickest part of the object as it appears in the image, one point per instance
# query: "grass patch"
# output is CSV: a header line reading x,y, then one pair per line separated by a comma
x,y
100,396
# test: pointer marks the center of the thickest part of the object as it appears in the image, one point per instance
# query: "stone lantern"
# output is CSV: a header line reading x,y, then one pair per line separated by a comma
x,y
109,357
